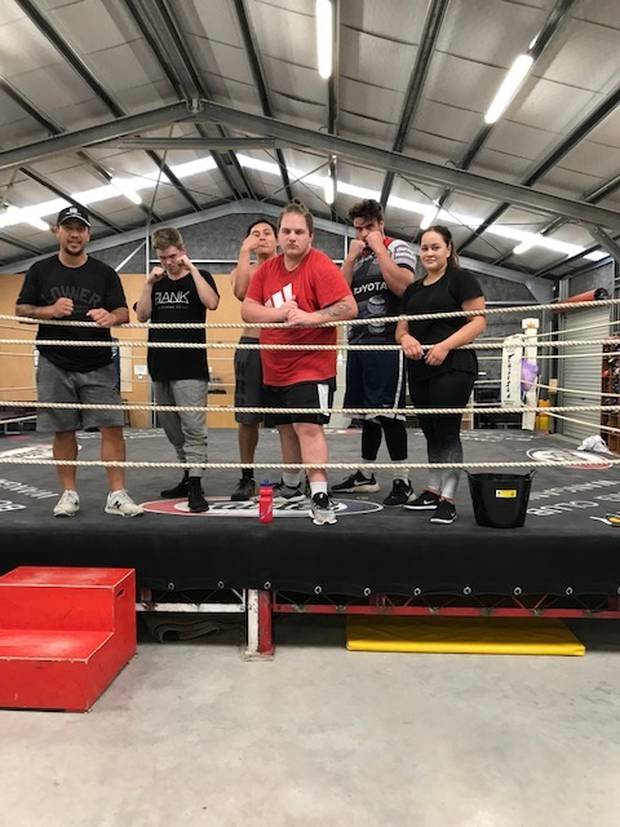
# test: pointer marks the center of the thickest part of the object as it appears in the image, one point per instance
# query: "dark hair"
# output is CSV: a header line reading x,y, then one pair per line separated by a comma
x,y
262,221
368,208
300,209
444,232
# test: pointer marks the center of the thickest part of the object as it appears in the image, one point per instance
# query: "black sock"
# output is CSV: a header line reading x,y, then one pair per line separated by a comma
x,y
247,473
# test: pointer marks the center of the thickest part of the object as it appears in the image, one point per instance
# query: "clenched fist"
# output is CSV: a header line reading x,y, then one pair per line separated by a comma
x,y
61,308
101,317
356,248
156,274
374,240
250,244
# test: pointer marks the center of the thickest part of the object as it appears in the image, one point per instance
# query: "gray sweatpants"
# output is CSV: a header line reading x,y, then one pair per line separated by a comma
x,y
186,431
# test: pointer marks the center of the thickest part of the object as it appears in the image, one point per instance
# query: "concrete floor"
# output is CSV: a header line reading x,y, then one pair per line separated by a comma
x,y
190,733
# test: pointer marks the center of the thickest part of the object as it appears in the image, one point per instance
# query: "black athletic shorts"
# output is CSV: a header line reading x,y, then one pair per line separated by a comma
x,y
248,382
375,379
319,395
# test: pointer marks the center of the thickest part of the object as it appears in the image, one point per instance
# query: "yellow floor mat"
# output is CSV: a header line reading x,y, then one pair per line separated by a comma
x,y
462,635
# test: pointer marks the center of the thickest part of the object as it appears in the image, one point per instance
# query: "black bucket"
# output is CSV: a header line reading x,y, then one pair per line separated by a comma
x,y
500,500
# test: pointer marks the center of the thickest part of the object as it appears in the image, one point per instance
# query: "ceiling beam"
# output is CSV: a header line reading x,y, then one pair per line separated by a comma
x,y
552,25
44,120
430,33
250,207
592,197
374,157
218,144
598,114
377,158
333,100
83,71
20,245
163,36
71,140
253,55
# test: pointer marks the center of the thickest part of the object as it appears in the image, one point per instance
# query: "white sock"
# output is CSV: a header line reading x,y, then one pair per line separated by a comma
x,y
401,474
319,487
292,479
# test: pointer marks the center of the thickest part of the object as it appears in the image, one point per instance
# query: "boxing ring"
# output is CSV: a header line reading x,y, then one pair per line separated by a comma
x,y
563,562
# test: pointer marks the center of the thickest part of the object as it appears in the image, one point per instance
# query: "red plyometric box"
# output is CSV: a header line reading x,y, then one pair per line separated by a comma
x,y
65,633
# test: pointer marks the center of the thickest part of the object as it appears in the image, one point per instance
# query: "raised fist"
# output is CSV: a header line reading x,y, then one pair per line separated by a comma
x,y
356,248
250,243
156,274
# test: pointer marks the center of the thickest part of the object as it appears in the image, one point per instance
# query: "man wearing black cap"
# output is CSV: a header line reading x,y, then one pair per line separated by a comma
x,y
73,286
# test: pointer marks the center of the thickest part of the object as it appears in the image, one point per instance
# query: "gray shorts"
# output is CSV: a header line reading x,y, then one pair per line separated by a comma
x,y
248,382
94,386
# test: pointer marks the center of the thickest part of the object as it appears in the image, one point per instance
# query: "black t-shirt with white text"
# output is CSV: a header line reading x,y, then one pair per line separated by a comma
x,y
448,294
177,300
90,286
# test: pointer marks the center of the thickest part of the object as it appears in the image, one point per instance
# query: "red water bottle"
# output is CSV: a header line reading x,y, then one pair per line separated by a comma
x,y
265,502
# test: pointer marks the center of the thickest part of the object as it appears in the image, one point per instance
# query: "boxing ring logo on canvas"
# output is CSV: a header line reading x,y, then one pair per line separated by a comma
x,y
225,508
577,459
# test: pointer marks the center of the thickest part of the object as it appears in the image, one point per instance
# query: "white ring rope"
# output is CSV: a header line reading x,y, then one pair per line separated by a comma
x,y
92,406
525,308
246,346
607,428
576,391
342,466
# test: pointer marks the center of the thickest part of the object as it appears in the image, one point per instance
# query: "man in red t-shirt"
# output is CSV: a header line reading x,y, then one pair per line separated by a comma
x,y
303,288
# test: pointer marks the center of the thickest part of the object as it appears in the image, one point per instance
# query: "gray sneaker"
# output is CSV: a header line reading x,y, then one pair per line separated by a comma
x,y
322,510
68,505
120,503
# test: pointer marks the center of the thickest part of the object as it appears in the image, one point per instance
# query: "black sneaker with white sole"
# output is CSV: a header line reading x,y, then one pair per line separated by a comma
x,y
245,490
426,501
400,494
322,510
357,482
286,493
444,514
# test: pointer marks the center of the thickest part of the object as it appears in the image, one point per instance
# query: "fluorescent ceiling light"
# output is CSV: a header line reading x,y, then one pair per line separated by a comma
x,y
33,215
429,217
509,87
526,245
330,189
125,187
324,35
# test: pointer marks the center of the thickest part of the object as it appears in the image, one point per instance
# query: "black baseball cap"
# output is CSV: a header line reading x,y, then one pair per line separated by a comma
x,y
75,212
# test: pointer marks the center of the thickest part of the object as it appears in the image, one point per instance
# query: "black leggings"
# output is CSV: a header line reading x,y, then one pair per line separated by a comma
x,y
395,432
451,389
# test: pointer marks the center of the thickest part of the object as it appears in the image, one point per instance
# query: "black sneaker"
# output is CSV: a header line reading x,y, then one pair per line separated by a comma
x,y
245,490
322,510
357,482
426,501
445,513
400,494
179,490
195,498
286,493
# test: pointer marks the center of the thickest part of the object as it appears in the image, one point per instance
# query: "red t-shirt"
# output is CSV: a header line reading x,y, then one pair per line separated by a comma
x,y
314,284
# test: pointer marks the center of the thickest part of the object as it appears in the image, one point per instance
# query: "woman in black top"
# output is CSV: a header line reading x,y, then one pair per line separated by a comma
x,y
442,376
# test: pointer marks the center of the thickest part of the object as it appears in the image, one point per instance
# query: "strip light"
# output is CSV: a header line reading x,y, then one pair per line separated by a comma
x,y
34,214
126,188
324,35
429,217
509,87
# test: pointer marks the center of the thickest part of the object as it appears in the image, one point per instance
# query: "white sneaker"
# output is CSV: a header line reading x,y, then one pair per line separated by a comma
x,y
68,505
322,510
119,502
